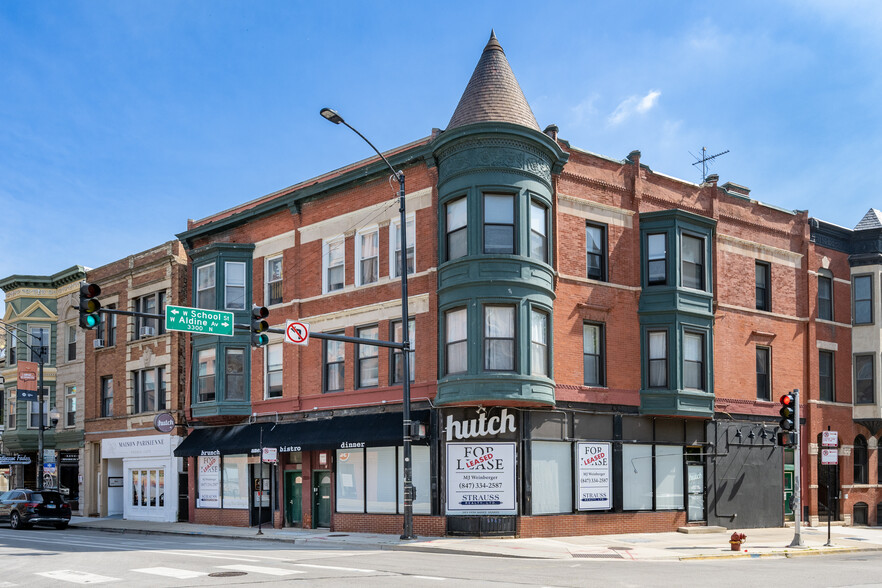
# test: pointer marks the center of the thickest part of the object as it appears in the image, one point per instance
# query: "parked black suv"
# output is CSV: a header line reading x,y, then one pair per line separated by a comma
x,y
23,508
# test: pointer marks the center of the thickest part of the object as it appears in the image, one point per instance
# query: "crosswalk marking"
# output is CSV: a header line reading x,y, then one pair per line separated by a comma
x,y
172,573
77,577
335,568
262,570
190,554
429,578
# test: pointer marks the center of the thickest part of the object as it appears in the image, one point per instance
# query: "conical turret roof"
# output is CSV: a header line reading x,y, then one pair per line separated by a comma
x,y
493,93
871,220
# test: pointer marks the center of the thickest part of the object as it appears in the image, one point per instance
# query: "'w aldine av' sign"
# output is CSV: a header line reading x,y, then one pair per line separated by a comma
x,y
199,320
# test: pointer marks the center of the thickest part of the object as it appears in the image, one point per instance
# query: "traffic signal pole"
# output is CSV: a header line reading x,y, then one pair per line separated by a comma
x,y
797,467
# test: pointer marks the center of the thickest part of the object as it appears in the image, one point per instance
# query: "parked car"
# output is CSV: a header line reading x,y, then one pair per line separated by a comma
x,y
23,508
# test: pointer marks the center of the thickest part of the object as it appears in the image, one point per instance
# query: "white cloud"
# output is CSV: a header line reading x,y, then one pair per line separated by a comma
x,y
633,105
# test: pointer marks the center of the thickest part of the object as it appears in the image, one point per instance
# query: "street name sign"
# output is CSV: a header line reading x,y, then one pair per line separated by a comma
x,y
199,320
296,332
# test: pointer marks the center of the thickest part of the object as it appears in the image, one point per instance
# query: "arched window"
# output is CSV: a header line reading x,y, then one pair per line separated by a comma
x,y
860,514
860,460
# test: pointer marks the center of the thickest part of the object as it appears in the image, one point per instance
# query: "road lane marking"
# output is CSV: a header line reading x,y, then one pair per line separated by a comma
x,y
262,570
429,578
171,573
77,577
71,543
335,568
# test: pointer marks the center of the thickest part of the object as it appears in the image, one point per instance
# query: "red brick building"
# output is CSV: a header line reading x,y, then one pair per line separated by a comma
x,y
134,371
597,347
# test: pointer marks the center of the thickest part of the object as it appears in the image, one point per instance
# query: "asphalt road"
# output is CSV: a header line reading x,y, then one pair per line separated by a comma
x,y
39,557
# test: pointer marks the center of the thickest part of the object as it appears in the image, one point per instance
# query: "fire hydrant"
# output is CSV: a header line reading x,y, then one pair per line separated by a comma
x,y
736,540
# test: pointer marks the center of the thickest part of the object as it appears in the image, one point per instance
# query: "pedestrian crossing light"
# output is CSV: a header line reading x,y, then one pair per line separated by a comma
x,y
259,326
89,306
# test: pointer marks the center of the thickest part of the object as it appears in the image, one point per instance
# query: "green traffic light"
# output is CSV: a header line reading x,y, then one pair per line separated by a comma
x,y
92,321
259,339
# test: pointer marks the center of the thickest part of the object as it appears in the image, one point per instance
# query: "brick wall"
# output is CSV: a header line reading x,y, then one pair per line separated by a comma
x,y
600,524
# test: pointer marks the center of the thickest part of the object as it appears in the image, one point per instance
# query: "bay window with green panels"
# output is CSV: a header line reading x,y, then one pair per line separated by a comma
x,y
221,366
676,314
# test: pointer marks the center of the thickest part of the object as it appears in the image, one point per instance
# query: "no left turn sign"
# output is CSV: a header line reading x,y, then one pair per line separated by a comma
x,y
296,332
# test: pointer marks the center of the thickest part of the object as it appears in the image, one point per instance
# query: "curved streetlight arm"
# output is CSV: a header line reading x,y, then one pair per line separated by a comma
x,y
335,118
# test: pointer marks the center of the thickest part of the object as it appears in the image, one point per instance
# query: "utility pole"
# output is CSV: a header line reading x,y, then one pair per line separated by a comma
x,y
797,466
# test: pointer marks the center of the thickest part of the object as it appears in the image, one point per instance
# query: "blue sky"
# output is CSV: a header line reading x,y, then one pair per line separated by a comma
x,y
121,120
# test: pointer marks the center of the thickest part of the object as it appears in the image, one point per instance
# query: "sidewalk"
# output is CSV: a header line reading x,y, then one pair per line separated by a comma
x,y
631,547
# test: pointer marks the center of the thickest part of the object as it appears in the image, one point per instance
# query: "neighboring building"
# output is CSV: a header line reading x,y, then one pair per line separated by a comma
x,y
135,370
44,307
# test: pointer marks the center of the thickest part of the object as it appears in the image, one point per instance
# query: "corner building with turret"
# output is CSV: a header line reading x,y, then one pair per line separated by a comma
x,y
596,348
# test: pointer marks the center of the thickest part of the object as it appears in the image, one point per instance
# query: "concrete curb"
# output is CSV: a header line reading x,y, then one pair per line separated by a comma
x,y
787,553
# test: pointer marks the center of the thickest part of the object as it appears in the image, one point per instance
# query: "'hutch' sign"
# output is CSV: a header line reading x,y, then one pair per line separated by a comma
x,y
481,426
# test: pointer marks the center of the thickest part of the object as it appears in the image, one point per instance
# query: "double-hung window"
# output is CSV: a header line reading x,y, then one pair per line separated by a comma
x,y
656,259
395,247
538,231
863,300
234,366
595,245
763,273
455,342
34,412
864,379
39,342
70,406
206,360
335,356
397,354
825,376
763,373
205,286
334,256
106,396
11,349
538,343
499,338
592,354
693,361
273,370
692,262
273,280
234,285
72,342
825,298
11,408
150,304
106,330
368,358
658,359
499,228
149,390
456,229
368,255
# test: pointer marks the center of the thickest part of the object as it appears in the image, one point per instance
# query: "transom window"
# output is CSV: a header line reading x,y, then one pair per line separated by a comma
x,y
498,223
499,338
457,235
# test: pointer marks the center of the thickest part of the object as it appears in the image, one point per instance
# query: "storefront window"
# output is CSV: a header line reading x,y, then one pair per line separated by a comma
x,y
208,489
422,485
552,471
380,483
235,481
637,477
668,477
350,480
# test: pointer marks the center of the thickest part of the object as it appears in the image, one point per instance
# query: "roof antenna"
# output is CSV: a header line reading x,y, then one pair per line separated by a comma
x,y
704,159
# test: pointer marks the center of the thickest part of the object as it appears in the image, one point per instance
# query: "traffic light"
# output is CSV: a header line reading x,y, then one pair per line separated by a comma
x,y
787,435
259,326
89,306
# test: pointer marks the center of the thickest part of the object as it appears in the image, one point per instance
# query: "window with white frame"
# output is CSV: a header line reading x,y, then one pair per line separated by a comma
x,y
34,411
368,358
71,342
206,360
273,280
334,264
395,247
397,354
10,409
499,338
106,330
11,348
39,342
234,368
106,396
372,480
658,359
148,390
538,231
334,360
70,406
205,286
692,262
592,354
499,223
455,344
538,343
367,252
234,285
693,361
456,216
273,370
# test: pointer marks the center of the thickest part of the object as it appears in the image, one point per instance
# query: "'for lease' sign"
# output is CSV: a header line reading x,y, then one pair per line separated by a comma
x,y
481,478
594,465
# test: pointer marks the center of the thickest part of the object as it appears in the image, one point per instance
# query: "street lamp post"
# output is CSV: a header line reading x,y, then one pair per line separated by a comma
x,y
335,118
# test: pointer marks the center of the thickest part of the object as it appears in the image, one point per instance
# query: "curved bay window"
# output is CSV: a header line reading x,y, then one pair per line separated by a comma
x,y
498,223
499,338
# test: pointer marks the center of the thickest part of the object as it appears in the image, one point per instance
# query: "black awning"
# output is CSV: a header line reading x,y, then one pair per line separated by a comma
x,y
344,432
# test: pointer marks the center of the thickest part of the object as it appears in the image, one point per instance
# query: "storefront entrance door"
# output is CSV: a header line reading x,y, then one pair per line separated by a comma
x,y
261,494
293,497
147,490
321,498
